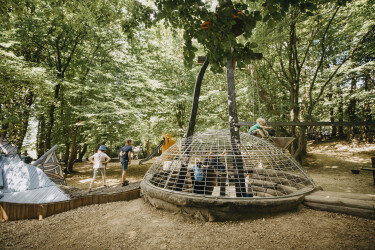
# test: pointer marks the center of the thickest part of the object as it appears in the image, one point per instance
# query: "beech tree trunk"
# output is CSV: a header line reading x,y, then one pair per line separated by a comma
x,y
41,136
180,117
25,119
366,109
51,117
301,143
82,152
331,115
110,149
148,146
334,128
341,112
73,150
66,156
351,108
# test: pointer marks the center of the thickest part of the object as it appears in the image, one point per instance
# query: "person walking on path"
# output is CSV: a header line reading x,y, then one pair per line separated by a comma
x,y
100,160
126,159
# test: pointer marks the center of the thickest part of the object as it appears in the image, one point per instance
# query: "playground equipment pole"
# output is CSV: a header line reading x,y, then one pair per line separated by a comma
x,y
190,132
197,92
235,131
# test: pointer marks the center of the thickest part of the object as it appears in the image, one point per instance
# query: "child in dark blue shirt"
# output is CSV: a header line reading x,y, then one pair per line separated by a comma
x,y
126,159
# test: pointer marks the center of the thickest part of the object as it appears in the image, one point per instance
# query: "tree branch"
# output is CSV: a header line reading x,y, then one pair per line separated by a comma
x,y
276,74
322,55
342,63
76,41
282,67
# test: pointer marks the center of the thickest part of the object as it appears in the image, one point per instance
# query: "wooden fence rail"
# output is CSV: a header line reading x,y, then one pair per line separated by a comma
x,y
347,124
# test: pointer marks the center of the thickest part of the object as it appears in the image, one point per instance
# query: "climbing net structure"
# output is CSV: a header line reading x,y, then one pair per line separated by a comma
x,y
211,165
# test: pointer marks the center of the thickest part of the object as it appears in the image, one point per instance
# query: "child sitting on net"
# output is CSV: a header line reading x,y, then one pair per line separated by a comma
x,y
259,128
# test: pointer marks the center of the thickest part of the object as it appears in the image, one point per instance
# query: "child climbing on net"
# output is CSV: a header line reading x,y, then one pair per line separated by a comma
x,y
259,128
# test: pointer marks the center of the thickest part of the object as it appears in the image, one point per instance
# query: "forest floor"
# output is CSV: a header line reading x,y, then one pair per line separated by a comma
x,y
135,224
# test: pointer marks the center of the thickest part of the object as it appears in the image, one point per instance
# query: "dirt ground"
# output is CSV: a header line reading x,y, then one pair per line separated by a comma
x,y
83,178
135,224
330,163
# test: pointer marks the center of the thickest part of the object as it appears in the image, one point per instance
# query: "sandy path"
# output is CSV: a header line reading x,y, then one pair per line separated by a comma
x,y
330,164
135,224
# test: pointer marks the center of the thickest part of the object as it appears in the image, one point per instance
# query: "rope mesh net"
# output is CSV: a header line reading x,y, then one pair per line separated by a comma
x,y
206,165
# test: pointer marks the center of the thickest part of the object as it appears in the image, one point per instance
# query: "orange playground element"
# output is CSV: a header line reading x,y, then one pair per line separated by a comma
x,y
168,141
236,29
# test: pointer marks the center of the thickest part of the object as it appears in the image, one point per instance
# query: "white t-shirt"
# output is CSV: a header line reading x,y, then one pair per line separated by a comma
x,y
99,158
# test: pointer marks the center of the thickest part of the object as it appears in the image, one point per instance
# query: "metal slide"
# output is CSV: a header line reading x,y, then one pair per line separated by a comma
x,y
152,153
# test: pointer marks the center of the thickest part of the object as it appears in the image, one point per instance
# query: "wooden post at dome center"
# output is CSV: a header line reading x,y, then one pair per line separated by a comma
x,y
235,132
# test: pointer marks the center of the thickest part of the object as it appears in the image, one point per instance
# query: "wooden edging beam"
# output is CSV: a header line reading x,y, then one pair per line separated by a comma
x,y
16,211
347,124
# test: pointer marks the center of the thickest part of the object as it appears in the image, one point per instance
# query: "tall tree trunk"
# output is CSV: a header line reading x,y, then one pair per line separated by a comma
x,y
79,149
197,92
73,150
341,112
331,115
41,136
366,109
148,147
235,132
180,117
25,120
190,131
110,149
352,108
66,155
51,117
301,143
334,128
294,79
294,117
82,152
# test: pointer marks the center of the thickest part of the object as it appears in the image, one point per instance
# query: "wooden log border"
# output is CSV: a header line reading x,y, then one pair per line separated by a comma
x,y
362,205
17,211
360,212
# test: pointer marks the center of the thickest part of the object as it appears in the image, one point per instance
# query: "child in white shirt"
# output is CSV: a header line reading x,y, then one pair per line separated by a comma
x,y
100,160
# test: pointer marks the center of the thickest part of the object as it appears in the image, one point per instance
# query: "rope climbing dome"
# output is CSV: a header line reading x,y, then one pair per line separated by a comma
x,y
202,176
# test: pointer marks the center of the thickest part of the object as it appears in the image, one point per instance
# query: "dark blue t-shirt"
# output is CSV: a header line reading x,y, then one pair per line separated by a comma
x,y
215,162
126,149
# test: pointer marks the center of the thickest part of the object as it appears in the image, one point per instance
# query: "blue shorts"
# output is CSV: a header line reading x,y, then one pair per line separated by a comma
x,y
125,165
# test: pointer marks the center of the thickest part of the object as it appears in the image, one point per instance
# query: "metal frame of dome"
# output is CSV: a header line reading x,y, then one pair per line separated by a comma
x,y
270,177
